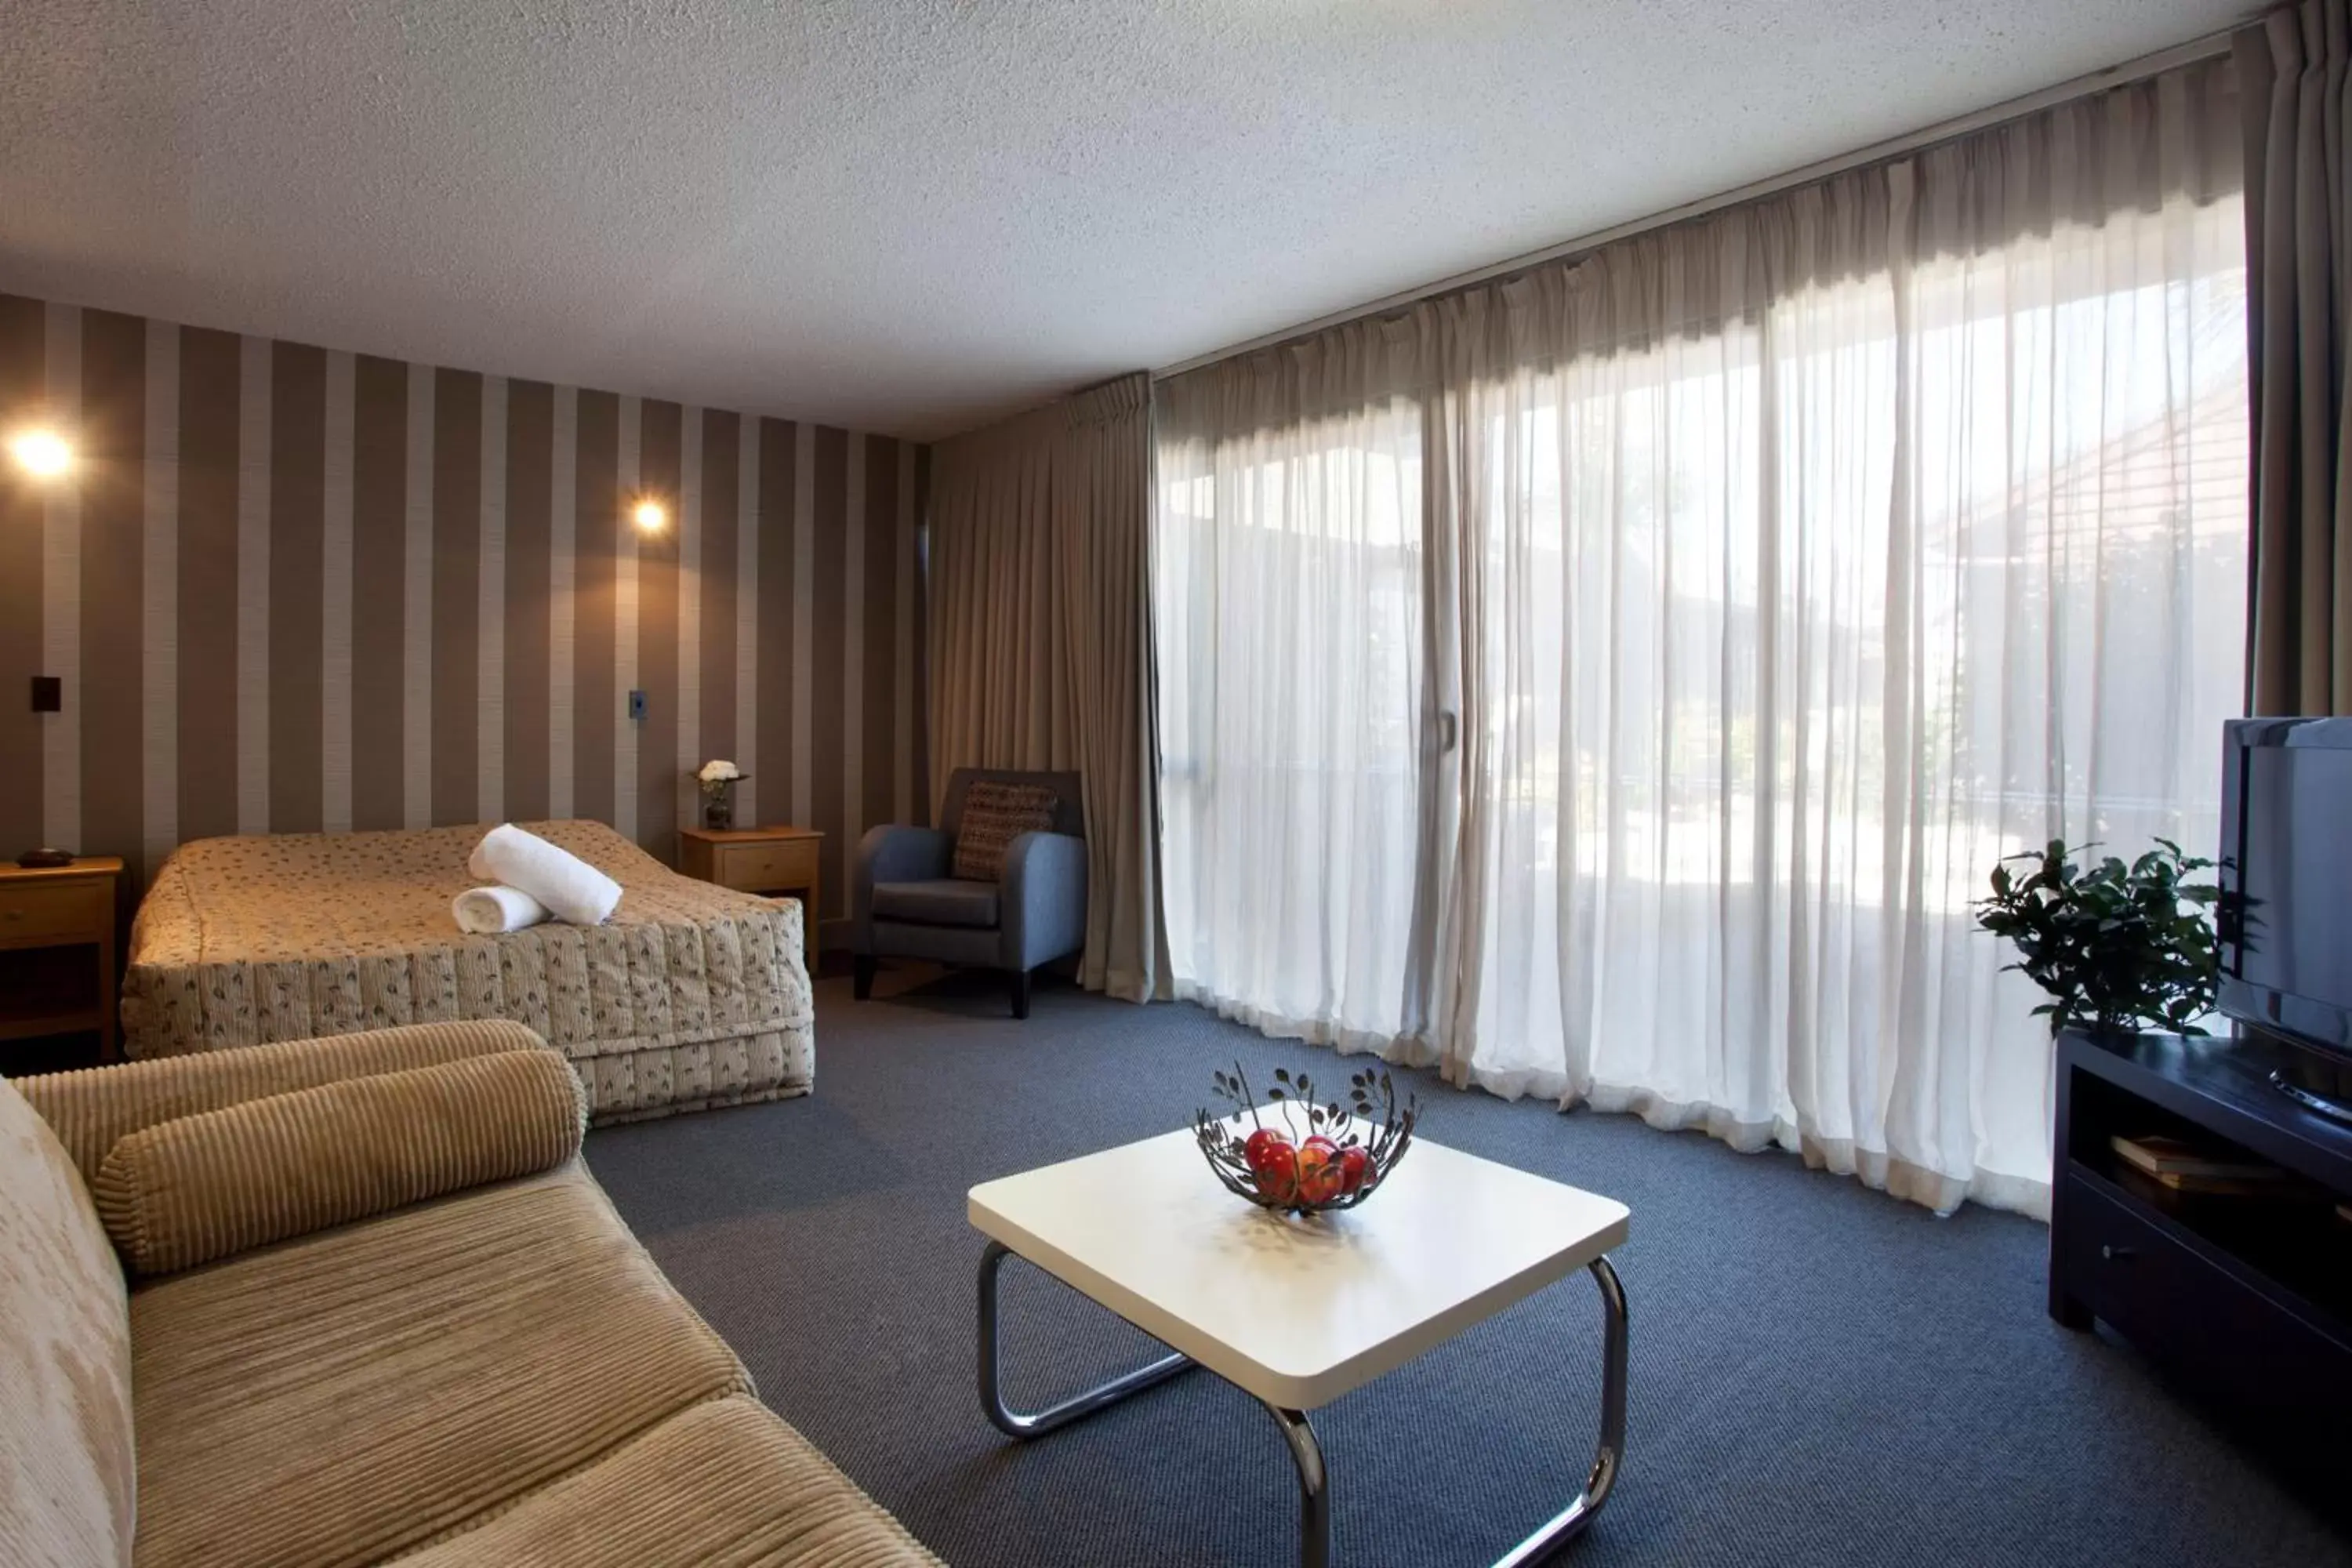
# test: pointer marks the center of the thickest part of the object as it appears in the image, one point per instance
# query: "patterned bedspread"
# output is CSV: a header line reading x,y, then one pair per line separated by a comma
x,y
692,995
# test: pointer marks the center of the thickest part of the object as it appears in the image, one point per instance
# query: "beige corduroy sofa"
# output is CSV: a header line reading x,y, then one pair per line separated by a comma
x,y
359,1301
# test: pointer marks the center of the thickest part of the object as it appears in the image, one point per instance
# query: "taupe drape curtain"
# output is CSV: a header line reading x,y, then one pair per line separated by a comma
x,y
2291,71
1041,642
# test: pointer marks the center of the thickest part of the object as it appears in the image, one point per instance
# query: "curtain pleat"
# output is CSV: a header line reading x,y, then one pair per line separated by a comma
x,y
2292,66
1041,642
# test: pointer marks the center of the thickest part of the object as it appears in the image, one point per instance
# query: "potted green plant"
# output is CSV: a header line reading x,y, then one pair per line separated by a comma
x,y
2119,947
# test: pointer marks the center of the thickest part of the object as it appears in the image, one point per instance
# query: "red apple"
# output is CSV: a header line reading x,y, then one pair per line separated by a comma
x,y
1278,1177
1273,1164
1318,1170
1265,1146
1355,1170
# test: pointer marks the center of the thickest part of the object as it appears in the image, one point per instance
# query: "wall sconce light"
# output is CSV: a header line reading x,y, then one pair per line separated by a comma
x,y
649,515
44,454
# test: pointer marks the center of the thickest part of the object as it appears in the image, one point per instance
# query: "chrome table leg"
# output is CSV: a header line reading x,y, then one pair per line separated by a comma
x,y
1314,1487
1013,1424
1570,1522
1315,1480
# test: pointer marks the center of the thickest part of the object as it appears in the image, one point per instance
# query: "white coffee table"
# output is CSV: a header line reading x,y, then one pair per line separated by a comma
x,y
1297,1313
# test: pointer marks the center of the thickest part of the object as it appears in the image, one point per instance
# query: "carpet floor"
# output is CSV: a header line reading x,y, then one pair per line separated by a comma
x,y
1819,1374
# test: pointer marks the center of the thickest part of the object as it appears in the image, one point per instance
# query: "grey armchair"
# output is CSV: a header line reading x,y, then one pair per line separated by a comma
x,y
907,901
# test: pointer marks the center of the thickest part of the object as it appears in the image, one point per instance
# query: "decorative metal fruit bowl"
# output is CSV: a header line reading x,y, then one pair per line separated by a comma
x,y
1298,1157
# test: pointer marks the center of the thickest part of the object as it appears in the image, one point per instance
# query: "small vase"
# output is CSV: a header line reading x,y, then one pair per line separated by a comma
x,y
718,810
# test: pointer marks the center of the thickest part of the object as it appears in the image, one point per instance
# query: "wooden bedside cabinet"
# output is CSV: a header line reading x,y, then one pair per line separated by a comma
x,y
759,861
57,951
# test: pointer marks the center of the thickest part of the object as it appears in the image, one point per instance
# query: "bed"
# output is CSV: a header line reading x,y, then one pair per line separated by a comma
x,y
691,997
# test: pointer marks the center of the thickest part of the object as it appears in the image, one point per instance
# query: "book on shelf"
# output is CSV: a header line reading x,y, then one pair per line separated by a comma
x,y
2185,1168
2232,1186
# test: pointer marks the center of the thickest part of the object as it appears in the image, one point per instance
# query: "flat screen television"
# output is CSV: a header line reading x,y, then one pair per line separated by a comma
x,y
2286,911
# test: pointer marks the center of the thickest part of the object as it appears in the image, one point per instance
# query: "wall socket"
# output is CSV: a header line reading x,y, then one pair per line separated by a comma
x,y
636,704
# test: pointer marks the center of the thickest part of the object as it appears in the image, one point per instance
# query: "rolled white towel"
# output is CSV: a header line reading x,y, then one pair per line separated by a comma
x,y
486,912
572,888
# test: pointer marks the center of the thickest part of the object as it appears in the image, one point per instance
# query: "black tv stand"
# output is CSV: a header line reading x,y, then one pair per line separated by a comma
x,y
2248,1300
2310,1100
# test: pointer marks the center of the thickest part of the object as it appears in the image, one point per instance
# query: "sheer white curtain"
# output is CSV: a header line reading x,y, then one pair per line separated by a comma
x,y
1288,614
1784,570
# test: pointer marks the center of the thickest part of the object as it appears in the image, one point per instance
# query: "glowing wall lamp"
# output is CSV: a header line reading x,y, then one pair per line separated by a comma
x,y
42,453
649,515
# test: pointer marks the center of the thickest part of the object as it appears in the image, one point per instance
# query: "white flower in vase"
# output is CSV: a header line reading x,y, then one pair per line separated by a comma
x,y
716,779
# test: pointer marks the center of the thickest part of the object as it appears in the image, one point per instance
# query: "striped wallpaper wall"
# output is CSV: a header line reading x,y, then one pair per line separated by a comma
x,y
295,590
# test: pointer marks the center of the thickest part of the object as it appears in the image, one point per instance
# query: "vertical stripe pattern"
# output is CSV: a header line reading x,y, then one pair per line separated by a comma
x,y
416,606
775,625
253,376
61,590
159,620
335,607
563,485
655,735
207,610
595,570
525,676
802,659
295,590
24,507
456,503
690,618
490,617
827,628
380,675
902,597
290,589
747,617
852,599
113,443
624,530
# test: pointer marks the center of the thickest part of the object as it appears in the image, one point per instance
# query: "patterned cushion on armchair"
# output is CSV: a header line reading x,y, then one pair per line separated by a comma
x,y
995,813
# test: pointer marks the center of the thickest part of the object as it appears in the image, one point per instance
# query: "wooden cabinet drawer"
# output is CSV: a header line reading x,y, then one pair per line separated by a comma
x,y
61,910
2217,1329
758,868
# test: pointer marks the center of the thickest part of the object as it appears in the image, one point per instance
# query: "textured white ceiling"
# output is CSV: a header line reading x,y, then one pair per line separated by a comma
x,y
908,217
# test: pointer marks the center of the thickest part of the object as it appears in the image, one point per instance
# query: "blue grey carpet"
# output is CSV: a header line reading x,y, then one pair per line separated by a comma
x,y
1819,1374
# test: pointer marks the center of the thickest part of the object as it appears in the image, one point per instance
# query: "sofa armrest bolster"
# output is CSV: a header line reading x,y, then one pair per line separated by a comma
x,y
93,1109
201,1187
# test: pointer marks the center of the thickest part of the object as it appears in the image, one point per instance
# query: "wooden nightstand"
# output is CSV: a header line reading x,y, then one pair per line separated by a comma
x,y
759,861
45,987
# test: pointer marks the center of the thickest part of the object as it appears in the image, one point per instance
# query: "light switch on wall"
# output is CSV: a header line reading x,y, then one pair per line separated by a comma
x,y
636,704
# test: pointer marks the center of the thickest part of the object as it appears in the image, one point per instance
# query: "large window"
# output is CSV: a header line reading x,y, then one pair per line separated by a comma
x,y
1632,716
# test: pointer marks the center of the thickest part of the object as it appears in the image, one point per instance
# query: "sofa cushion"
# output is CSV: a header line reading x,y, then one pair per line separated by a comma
x,y
725,1482
995,813
187,1191
360,1392
96,1108
66,1469
947,901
